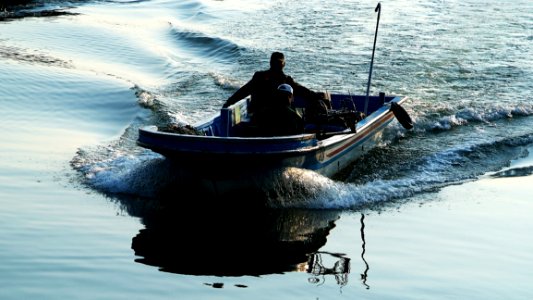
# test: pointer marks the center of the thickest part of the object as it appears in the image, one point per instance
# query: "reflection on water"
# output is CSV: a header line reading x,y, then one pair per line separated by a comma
x,y
364,275
317,266
230,241
323,263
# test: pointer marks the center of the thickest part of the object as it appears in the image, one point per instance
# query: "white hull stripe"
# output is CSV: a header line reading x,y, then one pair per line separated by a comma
x,y
366,132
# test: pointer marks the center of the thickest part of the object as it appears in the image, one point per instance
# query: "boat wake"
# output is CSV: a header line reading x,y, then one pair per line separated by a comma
x,y
385,175
204,47
443,117
386,181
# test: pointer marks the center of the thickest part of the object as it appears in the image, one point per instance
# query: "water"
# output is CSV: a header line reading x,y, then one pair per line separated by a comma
x,y
437,212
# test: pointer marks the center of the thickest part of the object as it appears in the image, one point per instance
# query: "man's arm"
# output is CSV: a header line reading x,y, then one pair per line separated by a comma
x,y
300,90
241,93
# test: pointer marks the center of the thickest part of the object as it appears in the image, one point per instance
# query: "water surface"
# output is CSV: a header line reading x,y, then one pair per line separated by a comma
x,y
437,212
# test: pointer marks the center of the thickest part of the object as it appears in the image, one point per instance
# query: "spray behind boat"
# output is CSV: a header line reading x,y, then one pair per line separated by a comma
x,y
401,115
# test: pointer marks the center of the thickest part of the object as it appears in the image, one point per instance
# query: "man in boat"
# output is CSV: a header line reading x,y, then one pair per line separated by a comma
x,y
263,85
279,118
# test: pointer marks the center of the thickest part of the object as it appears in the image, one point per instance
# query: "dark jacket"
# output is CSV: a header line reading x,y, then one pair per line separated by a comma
x,y
278,121
262,88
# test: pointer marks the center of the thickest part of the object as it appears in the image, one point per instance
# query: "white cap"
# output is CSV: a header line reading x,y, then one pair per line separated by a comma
x,y
285,88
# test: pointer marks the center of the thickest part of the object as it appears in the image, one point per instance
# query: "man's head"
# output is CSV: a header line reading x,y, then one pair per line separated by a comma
x,y
277,61
285,93
285,89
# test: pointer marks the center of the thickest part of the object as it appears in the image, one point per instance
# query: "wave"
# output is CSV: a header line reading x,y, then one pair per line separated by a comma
x,y
398,180
451,166
208,48
444,117
23,55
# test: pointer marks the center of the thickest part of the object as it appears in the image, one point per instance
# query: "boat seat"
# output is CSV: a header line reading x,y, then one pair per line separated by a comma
x,y
232,116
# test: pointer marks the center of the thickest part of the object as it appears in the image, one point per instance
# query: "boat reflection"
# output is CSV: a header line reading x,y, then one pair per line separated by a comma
x,y
318,267
323,263
232,242
364,275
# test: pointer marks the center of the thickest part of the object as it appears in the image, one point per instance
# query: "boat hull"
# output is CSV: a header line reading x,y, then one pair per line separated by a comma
x,y
213,156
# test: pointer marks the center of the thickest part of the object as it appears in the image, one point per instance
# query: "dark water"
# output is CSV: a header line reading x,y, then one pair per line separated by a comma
x,y
437,212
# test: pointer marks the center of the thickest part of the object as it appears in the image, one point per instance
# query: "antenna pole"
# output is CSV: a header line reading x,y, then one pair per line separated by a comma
x,y
378,10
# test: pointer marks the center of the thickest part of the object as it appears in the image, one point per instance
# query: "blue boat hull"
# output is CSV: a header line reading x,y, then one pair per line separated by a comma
x,y
216,152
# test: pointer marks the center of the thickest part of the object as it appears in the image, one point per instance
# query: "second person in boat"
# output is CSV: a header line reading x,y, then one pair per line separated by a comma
x,y
280,118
